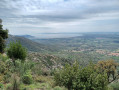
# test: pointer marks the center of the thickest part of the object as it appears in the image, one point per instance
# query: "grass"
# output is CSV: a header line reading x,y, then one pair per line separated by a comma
x,y
43,83
115,86
42,86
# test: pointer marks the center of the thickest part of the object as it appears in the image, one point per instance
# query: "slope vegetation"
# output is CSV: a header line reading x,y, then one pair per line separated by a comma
x,y
29,44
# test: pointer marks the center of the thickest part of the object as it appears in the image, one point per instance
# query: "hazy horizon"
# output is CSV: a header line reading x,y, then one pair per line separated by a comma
x,y
56,16
61,34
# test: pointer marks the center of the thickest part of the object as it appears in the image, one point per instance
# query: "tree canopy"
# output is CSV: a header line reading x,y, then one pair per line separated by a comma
x,y
3,36
16,51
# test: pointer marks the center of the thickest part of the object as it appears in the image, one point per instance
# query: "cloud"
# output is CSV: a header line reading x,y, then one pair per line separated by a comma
x,y
55,14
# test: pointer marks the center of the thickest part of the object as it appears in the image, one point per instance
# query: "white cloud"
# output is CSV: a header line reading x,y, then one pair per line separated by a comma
x,y
59,15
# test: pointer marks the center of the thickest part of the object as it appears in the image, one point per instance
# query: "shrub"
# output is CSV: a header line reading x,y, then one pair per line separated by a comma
x,y
67,75
5,70
1,78
15,83
3,36
1,85
87,78
22,68
27,78
36,69
3,57
16,51
115,86
108,66
3,67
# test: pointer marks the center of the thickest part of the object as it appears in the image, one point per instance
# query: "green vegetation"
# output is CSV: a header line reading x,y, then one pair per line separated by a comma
x,y
3,36
53,67
109,66
16,51
27,78
31,45
115,85
70,76
88,47
23,75
87,78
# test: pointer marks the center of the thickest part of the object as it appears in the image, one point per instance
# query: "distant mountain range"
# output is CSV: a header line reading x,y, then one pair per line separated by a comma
x,y
25,36
29,44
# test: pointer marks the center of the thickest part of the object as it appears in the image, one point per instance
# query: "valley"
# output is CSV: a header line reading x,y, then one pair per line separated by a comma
x,y
48,58
89,46
85,48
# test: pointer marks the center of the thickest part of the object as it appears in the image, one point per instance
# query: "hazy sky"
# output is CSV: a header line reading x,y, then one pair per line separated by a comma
x,y
40,16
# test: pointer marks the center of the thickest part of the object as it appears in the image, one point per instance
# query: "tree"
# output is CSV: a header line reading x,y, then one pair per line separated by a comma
x,y
16,51
3,36
67,75
108,66
81,78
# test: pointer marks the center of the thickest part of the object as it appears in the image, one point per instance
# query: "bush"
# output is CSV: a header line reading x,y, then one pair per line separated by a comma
x,y
15,83
87,78
22,68
1,85
16,51
67,75
27,78
3,36
5,70
115,86
3,57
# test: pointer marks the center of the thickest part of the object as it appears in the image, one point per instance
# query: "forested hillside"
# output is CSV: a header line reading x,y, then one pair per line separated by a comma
x,y
29,44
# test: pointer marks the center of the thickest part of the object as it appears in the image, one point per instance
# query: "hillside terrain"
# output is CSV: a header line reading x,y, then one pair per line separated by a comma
x,y
57,68
29,44
85,48
47,61
38,53
88,47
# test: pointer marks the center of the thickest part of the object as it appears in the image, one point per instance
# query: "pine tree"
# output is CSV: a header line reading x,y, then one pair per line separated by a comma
x,y
3,36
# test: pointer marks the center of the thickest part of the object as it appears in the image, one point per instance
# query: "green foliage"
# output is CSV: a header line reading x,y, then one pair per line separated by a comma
x,y
36,69
67,75
2,45
16,51
3,57
4,33
6,67
115,85
1,85
27,78
59,88
87,78
3,36
108,66
3,68
90,79
21,68
15,83
30,44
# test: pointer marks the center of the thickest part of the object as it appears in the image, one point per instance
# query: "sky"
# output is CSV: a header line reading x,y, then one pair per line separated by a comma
x,y
54,16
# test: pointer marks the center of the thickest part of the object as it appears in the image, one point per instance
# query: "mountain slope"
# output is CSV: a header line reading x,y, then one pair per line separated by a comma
x,y
29,44
48,61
